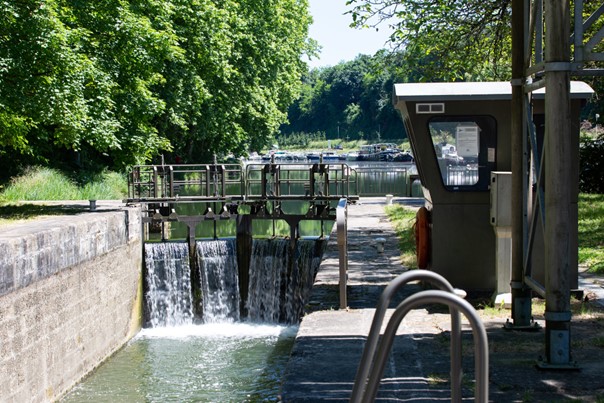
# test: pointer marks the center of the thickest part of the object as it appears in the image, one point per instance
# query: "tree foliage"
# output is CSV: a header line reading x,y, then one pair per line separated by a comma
x,y
444,40
349,100
592,165
121,81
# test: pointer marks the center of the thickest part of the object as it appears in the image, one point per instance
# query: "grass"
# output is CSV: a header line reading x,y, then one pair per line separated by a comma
x,y
591,232
403,219
45,184
39,183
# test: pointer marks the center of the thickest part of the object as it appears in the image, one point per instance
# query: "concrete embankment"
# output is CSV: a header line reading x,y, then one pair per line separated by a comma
x,y
70,295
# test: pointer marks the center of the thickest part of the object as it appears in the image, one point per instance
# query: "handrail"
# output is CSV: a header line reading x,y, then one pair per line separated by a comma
x,y
374,174
367,359
245,182
481,360
341,222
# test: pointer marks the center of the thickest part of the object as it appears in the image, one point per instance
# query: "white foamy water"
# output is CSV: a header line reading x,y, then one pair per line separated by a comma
x,y
241,330
217,262
168,298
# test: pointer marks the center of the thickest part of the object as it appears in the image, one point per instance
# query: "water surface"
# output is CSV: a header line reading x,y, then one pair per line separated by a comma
x,y
225,362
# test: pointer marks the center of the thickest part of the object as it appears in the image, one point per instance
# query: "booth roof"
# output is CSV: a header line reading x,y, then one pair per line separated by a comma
x,y
462,91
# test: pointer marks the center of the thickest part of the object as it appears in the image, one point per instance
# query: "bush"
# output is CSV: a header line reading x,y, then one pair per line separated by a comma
x,y
591,165
299,140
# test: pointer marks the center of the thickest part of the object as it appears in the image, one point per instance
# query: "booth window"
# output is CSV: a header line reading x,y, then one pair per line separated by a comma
x,y
465,150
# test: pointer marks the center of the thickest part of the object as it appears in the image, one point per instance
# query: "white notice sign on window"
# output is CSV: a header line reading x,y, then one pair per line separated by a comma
x,y
467,141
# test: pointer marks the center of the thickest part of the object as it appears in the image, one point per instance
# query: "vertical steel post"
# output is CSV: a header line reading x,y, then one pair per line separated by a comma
x,y
342,234
558,183
521,295
222,180
244,253
194,270
208,172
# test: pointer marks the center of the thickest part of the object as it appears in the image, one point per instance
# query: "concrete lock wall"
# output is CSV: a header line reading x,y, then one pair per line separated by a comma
x,y
70,296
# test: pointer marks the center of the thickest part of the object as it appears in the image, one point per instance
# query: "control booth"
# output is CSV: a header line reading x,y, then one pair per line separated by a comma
x,y
460,134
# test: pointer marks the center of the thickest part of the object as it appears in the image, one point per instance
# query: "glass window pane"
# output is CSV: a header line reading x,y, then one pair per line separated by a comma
x,y
461,145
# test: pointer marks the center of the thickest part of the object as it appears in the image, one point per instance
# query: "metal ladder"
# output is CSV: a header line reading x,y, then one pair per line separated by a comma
x,y
373,360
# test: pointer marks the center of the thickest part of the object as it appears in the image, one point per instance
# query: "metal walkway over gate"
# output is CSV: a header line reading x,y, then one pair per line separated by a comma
x,y
262,189
253,182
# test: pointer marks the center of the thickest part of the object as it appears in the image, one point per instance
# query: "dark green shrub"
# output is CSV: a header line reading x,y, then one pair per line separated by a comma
x,y
591,154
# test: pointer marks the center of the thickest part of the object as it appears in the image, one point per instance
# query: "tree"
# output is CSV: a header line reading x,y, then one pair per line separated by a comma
x,y
127,54
121,81
76,76
444,40
347,99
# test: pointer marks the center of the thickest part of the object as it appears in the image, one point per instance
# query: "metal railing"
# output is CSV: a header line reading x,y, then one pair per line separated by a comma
x,y
301,181
186,183
208,181
379,180
461,176
373,360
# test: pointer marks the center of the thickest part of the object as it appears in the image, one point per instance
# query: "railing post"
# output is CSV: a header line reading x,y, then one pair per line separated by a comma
x,y
341,219
155,184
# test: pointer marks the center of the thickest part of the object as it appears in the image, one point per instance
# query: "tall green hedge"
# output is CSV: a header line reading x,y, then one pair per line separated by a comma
x,y
591,179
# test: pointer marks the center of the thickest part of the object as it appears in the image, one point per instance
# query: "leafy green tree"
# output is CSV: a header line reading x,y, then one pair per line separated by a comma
x,y
121,81
347,99
239,73
41,76
592,166
127,53
76,76
444,40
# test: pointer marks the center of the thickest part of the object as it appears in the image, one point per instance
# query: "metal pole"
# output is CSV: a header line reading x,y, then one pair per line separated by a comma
x,y
244,253
521,295
342,234
367,364
558,177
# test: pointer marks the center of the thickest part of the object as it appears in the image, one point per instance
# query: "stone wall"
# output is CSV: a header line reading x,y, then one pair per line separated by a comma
x,y
70,296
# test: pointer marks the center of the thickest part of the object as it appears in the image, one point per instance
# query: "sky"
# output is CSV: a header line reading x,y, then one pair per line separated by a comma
x,y
340,42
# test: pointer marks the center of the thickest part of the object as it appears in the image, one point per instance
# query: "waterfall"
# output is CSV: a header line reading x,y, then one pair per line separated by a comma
x,y
218,271
268,264
309,254
168,298
279,286
280,280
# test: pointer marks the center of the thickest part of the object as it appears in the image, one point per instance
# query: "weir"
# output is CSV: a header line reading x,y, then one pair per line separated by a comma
x,y
168,298
279,282
217,268
258,278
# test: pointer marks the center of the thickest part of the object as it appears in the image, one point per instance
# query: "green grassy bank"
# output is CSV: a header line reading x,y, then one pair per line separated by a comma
x,y
49,184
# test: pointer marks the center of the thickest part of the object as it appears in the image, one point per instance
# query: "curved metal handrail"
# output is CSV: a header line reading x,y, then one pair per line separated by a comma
x,y
428,297
367,359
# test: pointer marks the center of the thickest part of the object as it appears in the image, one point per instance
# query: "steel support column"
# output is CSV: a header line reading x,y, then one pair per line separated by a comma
x,y
244,253
521,294
558,183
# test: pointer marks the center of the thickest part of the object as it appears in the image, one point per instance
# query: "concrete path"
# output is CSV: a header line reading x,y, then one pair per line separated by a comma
x,y
330,341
